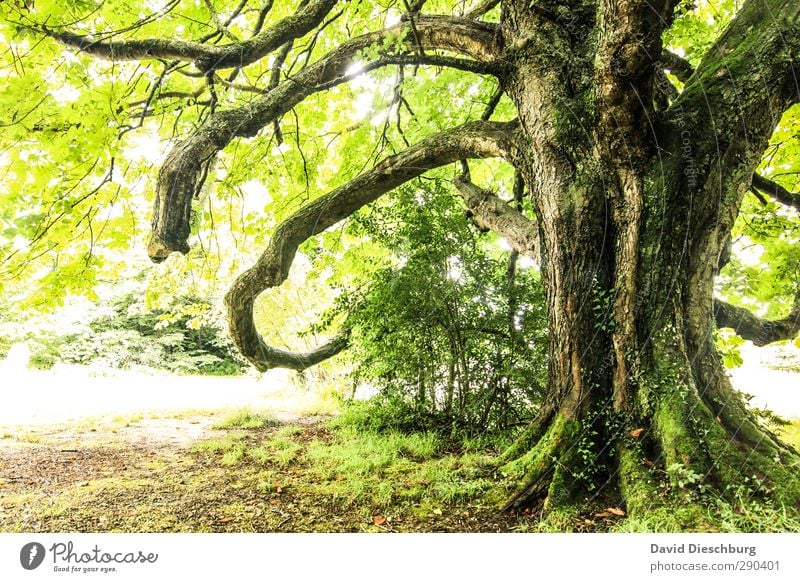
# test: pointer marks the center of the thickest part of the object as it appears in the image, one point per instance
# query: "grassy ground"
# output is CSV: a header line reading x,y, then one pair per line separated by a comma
x,y
250,472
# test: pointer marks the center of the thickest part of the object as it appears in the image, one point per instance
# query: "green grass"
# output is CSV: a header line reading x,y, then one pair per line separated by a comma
x,y
715,515
335,477
366,453
280,451
791,432
357,467
218,445
246,419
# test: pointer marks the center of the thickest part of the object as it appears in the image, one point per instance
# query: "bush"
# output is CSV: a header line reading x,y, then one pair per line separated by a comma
x,y
453,333
186,338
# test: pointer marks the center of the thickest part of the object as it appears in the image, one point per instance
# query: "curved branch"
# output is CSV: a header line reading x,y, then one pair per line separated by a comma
x,y
751,327
182,171
477,139
206,57
460,35
491,213
776,191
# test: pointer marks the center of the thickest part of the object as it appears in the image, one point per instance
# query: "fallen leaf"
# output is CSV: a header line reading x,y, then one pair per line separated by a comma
x,y
616,511
278,488
602,514
378,520
648,462
437,511
636,433
225,520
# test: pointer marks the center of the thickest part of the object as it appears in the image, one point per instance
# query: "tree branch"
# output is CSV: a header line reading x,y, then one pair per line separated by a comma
x,y
776,191
678,66
719,127
482,8
460,35
751,327
475,139
491,213
182,169
206,57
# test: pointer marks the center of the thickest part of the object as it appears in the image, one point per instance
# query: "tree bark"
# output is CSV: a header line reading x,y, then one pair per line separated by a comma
x,y
633,212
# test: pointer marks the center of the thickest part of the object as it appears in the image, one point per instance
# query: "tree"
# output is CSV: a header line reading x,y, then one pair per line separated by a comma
x,y
635,161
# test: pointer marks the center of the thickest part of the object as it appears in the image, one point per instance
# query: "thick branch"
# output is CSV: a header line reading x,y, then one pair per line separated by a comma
x,y
206,57
719,127
491,213
677,65
760,331
181,174
478,139
776,191
482,8
459,35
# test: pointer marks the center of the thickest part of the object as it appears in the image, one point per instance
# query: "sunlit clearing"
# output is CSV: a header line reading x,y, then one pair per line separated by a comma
x,y
72,392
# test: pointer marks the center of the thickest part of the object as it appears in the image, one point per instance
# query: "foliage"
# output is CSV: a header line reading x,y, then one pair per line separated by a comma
x,y
186,338
81,138
445,325
451,333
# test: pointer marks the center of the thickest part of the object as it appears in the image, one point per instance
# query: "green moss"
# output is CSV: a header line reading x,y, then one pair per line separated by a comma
x,y
636,483
540,459
679,445
523,444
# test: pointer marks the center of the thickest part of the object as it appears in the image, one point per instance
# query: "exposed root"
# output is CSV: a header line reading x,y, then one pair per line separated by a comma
x,y
542,472
637,484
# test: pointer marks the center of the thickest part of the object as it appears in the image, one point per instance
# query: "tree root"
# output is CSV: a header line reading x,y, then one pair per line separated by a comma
x,y
543,469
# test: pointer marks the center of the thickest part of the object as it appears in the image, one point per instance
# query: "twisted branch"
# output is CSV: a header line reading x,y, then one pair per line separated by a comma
x,y
479,139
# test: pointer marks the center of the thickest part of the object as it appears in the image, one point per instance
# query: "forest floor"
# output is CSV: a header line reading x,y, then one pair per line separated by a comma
x,y
285,464
252,473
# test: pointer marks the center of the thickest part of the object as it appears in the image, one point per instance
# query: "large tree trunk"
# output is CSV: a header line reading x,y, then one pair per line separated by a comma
x,y
633,208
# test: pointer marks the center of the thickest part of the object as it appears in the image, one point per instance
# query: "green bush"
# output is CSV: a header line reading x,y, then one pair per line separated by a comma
x,y
453,332
187,338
